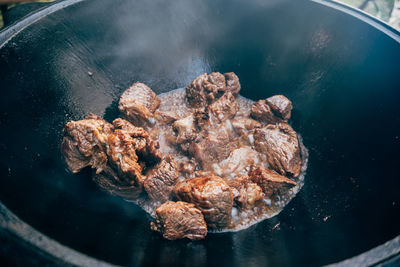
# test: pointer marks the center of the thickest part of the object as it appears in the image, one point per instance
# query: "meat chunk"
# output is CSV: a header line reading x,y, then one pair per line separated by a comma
x,y
262,112
175,220
211,195
186,131
243,125
195,92
138,103
128,127
214,86
123,158
232,83
212,148
245,192
84,143
280,105
145,147
224,108
109,181
161,179
274,109
205,89
272,184
281,146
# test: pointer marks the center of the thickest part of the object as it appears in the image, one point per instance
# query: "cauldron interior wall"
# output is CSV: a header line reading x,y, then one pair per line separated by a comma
x,y
341,74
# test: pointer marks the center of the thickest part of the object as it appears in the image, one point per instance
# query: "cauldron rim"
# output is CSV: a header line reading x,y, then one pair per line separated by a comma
x,y
22,233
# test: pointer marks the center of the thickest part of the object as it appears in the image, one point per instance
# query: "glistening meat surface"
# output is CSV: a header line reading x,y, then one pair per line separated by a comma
x,y
197,159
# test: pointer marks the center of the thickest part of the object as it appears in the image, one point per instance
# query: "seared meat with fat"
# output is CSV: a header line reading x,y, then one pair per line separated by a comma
x,y
145,147
262,112
138,103
280,105
109,180
224,108
274,109
206,89
185,129
245,192
161,179
272,184
175,220
211,195
232,83
214,147
244,124
195,92
123,158
281,146
84,143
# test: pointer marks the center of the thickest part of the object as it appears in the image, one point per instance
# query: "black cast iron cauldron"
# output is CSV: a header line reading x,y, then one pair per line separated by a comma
x,y
338,66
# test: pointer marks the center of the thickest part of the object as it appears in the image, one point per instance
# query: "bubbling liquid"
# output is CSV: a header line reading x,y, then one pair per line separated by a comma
x,y
174,103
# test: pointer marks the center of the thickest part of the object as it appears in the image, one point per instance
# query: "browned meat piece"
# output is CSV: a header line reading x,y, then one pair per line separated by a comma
x,y
224,108
175,220
195,92
185,129
211,195
145,147
84,143
280,105
244,124
245,193
232,83
205,89
109,181
161,179
129,128
214,86
138,103
150,153
272,184
213,148
122,157
274,109
262,112
281,146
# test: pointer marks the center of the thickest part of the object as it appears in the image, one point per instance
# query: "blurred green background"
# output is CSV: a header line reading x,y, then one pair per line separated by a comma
x,y
386,10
